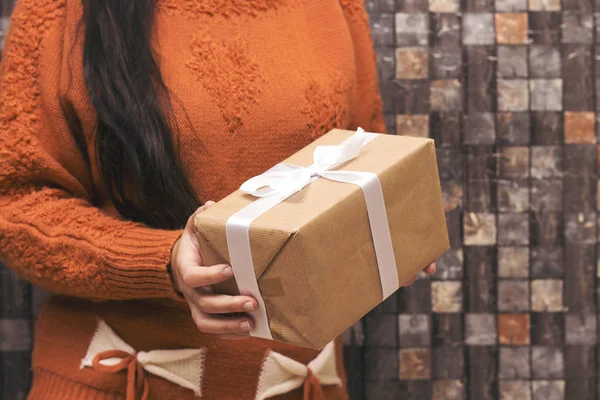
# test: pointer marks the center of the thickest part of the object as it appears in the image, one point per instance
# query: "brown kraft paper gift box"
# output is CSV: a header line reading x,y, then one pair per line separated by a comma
x,y
313,254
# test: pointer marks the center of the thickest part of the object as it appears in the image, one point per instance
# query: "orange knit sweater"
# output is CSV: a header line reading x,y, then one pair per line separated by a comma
x,y
259,79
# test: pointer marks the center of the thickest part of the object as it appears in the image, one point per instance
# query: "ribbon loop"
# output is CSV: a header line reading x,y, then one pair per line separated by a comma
x,y
137,386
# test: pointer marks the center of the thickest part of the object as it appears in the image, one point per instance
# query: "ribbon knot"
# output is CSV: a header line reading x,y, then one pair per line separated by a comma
x,y
312,387
137,386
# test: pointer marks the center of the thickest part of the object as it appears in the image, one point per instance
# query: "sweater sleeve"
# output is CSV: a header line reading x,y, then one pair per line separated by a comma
x,y
368,114
50,233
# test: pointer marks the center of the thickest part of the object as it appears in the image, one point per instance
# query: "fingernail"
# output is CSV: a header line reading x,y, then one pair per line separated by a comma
x,y
248,306
245,326
227,271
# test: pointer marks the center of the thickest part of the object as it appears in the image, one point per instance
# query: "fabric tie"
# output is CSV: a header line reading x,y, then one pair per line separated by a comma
x,y
281,374
107,352
137,386
312,387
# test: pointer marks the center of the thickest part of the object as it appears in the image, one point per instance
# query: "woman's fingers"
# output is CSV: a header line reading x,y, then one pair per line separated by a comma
x,y
430,269
197,276
223,304
220,324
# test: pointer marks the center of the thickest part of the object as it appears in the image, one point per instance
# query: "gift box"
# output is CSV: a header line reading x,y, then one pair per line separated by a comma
x,y
324,237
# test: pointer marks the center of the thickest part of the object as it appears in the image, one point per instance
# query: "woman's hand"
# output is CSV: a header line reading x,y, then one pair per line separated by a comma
x,y
193,279
429,270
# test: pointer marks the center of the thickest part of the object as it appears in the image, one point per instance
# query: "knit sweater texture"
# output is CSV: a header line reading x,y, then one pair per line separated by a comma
x,y
257,79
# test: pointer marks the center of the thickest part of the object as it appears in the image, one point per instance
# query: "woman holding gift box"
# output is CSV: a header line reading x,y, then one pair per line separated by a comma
x,y
119,118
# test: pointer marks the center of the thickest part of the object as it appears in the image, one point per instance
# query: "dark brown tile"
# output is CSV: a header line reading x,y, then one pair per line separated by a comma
x,y
547,329
445,61
579,278
545,26
481,79
480,270
411,97
578,77
546,128
415,298
513,128
514,363
580,187
448,362
445,128
447,329
482,364
546,227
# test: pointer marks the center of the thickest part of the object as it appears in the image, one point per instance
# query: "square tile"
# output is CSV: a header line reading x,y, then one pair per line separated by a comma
x,y
414,330
511,5
546,94
513,229
547,362
514,363
448,362
513,329
513,162
544,5
546,162
386,63
513,95
444,6
446,296
382,29
546,194
449,390
412,63
412,29
479,128
415,364
514,390
480,329
511,28
513,128
513,295
380,364
450,265
577,27
580,127
415,125
544,61
478,28
547,262
479,229
453,194
513,262
15,335
580,228
381,330
513,196
581,328
547,295
445,95
548,390
512,62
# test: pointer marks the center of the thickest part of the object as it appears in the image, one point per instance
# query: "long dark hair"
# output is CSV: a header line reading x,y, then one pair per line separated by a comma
x,y
135,128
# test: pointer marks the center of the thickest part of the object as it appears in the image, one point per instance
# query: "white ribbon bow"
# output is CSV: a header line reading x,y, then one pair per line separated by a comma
x,y
182,367
282,181
281,374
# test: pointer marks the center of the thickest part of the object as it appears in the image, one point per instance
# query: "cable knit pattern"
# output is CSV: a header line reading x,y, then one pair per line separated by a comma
x,y
258,81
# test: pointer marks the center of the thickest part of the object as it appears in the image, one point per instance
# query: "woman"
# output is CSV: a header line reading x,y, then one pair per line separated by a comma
x,y
119,119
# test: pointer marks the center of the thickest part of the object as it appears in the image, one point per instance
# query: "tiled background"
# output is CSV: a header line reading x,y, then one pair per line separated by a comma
x,y
508,90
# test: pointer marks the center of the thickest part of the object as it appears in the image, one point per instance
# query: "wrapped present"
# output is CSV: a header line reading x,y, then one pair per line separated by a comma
x,y
324,237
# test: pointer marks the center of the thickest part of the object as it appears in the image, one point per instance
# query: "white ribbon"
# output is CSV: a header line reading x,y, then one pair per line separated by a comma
x,y
281,374
182,367
281,182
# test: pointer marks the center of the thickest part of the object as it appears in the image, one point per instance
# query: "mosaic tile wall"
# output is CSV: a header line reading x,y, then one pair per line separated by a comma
x,y
508,90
